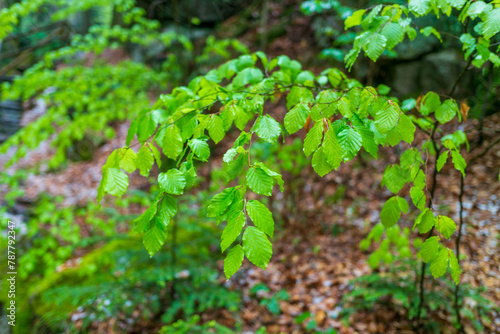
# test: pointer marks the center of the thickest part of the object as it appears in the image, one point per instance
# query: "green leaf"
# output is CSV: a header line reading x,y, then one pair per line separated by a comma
x,y
494,59
156,154
456,3
491,25
411,32
344,106
144,160
241,117
220,202
418,197
172,142
394,178
419,179
429,249
350,140
227,115
234,168
425,221
385,119
408,158
115,182
351,56
313,138
375,46
403,205
259,181
200,148
446,111
261,216
257,247
167,209
440,263
297,95
112,162
394,34
354,19
296,118
371,16
368,138
384,89
132,131
442,160
248,76
215,128
268,129
419,7
233,261
455,267
173,181
430,103
390,212
320,163
427,31
448,143
446,226
229,155
476,8
306,78
458,162
235,224
332,149
273,174
127,160
324,106
142,222
406,128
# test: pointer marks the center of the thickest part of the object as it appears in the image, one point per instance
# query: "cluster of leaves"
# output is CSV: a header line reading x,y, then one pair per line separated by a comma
x,y
385,26
395,178
342,117
393,238
13,181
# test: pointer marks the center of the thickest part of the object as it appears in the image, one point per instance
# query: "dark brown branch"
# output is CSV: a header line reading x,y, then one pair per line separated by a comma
x,y
461,75
431,198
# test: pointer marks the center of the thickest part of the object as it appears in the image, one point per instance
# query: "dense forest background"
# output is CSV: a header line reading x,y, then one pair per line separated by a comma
x,y
79,77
